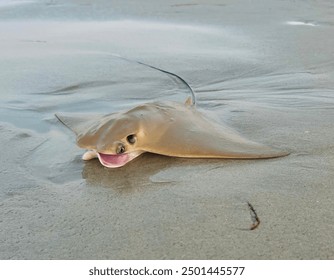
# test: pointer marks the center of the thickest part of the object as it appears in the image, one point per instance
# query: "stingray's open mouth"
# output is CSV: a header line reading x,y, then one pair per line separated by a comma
x,y
117,160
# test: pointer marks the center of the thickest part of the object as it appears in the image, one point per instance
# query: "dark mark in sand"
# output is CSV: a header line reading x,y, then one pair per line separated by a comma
x,y
254,216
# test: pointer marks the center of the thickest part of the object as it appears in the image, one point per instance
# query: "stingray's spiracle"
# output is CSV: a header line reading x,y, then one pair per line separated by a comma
x,y
193,99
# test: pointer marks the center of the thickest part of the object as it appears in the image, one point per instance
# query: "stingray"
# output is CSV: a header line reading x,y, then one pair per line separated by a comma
x,y
167,128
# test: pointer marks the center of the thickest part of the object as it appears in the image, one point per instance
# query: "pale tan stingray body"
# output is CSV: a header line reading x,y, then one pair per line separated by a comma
x,y
166,128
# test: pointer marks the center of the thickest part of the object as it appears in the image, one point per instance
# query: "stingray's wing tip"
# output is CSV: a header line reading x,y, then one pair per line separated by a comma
x,y
59,118
265,153
276,154
285,153
66,121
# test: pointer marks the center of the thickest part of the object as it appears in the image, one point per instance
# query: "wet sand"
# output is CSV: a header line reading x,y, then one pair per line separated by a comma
x,y
266,69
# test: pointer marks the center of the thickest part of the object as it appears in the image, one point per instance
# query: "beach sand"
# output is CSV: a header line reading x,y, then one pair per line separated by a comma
x,y
264,68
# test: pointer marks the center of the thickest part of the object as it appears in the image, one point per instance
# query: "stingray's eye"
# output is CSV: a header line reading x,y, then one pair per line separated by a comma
x,y
120,149
131,139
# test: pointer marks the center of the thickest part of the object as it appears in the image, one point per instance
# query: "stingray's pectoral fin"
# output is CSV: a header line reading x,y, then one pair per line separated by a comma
x,y
265,153
76,123
248,150
210,144
85,126
79,123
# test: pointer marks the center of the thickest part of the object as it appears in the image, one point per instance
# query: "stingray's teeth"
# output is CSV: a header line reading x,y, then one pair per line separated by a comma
x,y
89,155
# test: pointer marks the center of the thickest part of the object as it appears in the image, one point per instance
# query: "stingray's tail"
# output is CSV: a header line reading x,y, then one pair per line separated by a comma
x,y
193,98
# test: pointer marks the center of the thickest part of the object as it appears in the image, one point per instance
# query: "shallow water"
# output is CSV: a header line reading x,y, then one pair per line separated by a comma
x,y
266,69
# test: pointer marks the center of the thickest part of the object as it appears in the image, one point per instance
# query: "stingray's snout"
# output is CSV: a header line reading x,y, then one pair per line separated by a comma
x,y
117,147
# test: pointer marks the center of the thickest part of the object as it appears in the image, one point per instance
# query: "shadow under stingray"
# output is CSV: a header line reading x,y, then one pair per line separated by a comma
x,y
129,178
137,174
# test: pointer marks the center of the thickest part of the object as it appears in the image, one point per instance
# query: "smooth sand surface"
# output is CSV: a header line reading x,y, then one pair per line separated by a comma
x,y
264,68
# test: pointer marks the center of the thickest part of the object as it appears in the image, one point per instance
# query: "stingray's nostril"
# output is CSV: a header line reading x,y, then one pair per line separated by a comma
x,y
120,149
